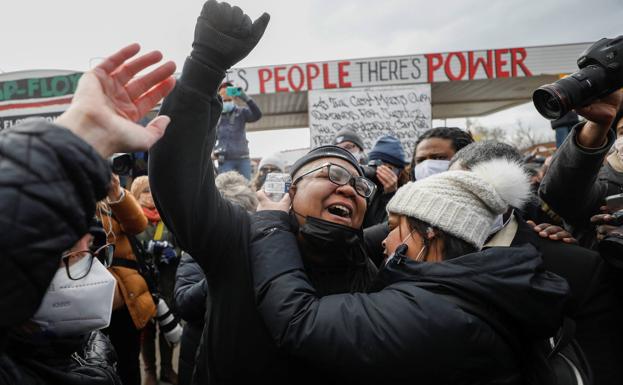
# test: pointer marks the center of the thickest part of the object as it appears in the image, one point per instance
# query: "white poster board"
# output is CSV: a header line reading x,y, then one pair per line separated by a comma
x,y
403,112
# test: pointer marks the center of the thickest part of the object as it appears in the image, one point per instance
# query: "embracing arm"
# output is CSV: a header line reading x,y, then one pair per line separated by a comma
x,y
361,334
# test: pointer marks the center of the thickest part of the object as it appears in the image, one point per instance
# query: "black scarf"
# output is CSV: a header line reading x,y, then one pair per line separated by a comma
x,y
335,258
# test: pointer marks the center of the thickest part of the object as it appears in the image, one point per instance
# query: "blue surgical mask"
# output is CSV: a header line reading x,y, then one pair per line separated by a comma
x,y
228,107
430,167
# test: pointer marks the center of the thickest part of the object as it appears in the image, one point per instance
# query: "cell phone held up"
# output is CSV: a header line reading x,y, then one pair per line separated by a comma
x,y
277,185
233,91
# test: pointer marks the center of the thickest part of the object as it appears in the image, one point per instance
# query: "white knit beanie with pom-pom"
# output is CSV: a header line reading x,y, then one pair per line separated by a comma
x,y
465,203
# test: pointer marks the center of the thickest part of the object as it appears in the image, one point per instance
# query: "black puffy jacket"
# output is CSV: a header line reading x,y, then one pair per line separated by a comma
x,y
236,347
86,360
190,295
405,331
49,182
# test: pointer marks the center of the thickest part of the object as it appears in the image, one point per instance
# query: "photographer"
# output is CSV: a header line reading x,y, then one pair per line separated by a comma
x,y
159,246
572,187
122,217
386,162
52,176
232,148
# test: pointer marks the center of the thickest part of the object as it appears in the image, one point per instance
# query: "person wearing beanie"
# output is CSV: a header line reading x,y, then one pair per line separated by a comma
x,y
329,200
412,324
386,163
593,305
268,164
349,140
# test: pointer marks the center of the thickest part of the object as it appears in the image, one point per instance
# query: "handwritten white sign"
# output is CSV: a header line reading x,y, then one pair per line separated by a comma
x,y
403,112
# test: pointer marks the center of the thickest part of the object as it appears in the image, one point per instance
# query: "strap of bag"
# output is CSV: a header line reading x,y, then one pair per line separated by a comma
x,y
159,231
146,272
125,263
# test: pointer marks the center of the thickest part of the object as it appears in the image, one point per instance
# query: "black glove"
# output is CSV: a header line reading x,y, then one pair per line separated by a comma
x,y
224,35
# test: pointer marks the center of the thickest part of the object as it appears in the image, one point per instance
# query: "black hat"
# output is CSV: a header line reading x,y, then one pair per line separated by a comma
x,y
345,134
326,152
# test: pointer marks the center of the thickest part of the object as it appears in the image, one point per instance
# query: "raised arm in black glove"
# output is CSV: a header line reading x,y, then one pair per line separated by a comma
x,y
224,35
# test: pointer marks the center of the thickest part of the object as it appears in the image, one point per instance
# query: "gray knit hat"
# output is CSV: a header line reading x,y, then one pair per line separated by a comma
x,y
465,203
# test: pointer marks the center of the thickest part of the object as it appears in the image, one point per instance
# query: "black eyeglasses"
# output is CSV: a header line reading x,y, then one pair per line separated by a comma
x,y
76,271
340,176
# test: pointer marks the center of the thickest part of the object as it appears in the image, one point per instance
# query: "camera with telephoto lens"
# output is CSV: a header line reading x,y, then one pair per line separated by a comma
x,y
169,324
122,163
164,250
157,247
600,74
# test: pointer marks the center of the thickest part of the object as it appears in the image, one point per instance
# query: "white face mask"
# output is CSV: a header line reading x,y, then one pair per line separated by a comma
x,y
497,225
228,107
71,308
430,167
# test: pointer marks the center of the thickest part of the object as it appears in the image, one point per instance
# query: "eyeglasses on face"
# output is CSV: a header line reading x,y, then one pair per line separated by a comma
x,y
76,271
340,176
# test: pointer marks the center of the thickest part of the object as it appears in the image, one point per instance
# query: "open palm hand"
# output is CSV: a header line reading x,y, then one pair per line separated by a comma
x,y
110,100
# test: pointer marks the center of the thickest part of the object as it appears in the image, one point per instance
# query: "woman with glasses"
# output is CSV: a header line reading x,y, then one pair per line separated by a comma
x,y
414,324
52,174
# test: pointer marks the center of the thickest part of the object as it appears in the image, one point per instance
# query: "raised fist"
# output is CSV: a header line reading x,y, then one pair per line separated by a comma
x,y
224,35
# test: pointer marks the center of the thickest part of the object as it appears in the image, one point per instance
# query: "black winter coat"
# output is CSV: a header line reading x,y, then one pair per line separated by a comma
x,y
88,360
237,347
592,304
405,332
49,182
190,295
572,188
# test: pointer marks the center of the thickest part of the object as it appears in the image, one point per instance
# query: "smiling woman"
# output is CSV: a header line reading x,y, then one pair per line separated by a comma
x,y
407,327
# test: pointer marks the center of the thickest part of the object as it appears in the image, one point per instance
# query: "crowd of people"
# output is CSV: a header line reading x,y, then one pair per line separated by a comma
x,y
467,263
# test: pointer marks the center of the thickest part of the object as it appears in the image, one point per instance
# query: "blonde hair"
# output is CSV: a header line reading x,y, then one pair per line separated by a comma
x,y
138,185
236,189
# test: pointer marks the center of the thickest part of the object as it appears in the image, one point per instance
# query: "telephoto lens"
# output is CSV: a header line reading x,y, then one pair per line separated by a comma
x,y
600,74
169,324
555,100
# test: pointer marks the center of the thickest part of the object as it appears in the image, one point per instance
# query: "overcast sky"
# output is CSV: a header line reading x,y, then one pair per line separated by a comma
x,y
67,34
